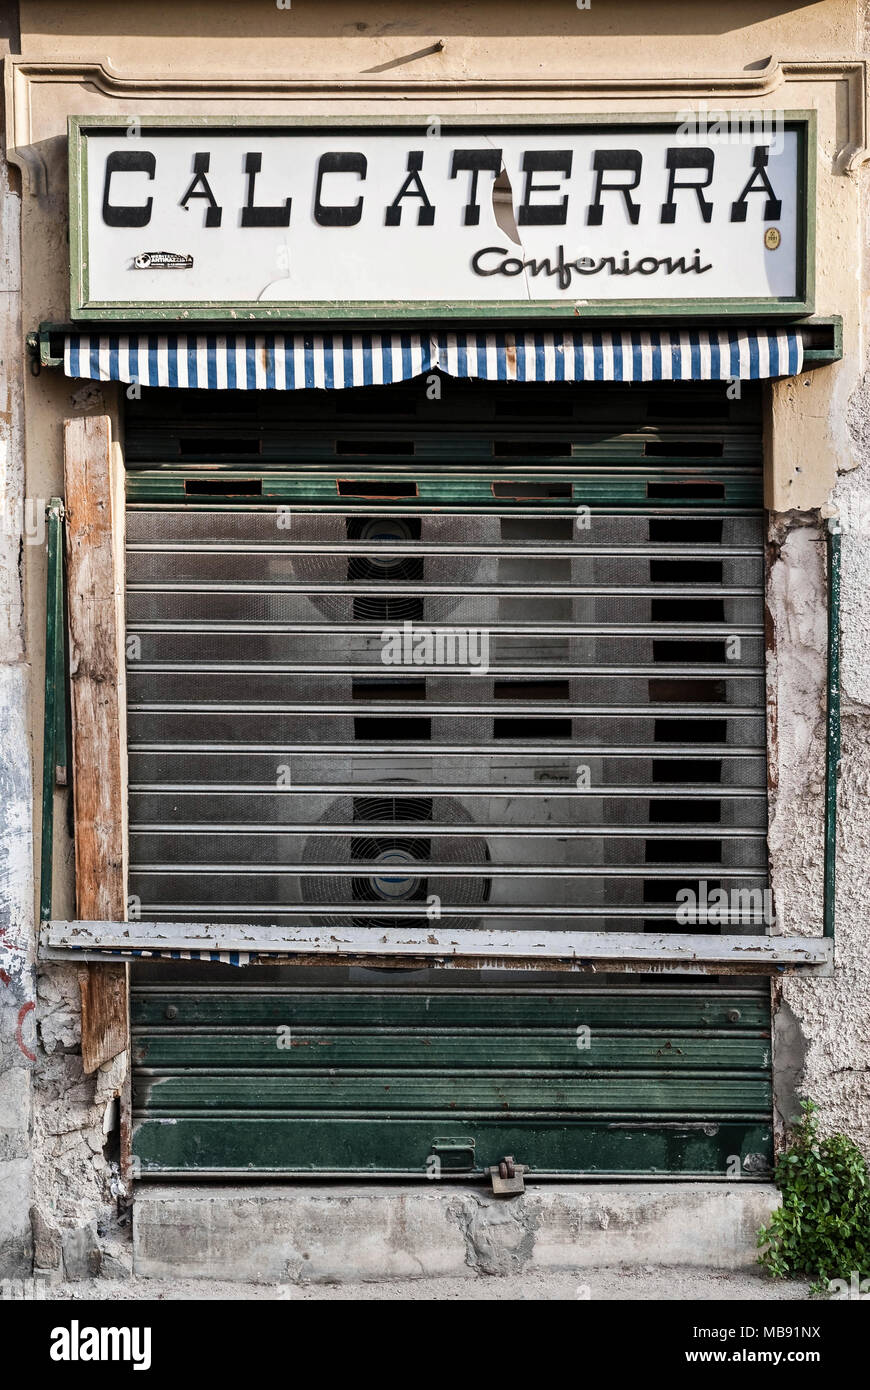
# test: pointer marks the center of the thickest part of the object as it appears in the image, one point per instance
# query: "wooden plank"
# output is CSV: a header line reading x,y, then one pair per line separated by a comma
x,y
449,945
95,517
125,1114
104,1014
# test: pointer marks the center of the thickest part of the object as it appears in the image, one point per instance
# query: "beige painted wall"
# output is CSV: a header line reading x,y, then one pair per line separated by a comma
x,y
488,37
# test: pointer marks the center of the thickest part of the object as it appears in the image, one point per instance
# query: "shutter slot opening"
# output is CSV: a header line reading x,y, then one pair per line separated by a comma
x,y
223,487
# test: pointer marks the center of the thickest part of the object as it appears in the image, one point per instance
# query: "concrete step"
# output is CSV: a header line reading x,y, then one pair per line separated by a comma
x,y
349,1233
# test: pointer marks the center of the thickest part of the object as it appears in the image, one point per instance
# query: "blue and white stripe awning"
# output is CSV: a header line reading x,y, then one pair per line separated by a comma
x,y
264,361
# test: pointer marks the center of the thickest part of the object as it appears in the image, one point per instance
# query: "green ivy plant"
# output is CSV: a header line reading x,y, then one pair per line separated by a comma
x,y
822,1229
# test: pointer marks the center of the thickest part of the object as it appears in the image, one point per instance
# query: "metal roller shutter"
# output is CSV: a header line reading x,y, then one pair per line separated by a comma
x,y
597,746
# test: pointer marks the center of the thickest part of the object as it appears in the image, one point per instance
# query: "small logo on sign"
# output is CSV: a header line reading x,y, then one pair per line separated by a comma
x,y
772,238
162,260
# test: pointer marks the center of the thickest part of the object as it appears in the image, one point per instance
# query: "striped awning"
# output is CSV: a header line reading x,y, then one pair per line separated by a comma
x,y
332,361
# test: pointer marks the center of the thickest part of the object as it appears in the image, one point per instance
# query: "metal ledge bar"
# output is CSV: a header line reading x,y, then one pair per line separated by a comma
x,y
671,791
382,590
650,629
351,1175
467,466
364,908
422,708
486,468
368,508
364,549
336,750
453,945
425,868
155,1106
397,672
674,792
402,829
418,991
351,1030
236,828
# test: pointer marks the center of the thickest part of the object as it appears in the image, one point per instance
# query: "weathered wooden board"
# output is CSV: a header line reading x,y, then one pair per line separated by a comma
x,y
445,944
104,1014
96,627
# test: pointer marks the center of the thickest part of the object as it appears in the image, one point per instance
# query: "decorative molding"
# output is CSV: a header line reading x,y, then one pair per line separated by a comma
x,y
21,74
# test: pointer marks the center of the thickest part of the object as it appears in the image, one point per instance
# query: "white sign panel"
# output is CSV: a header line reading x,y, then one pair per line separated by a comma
x,y
358,221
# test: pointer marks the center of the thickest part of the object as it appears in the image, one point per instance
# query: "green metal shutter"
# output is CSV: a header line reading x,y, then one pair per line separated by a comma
x,y
610,543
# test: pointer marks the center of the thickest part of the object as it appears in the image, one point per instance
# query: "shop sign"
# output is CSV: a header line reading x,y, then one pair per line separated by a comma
x,y
209,218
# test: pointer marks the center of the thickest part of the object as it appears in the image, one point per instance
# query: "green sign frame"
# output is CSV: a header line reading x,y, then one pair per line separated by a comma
x,y
83,308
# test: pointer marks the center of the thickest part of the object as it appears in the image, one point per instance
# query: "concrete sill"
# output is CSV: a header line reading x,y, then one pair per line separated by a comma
x,y
352,1233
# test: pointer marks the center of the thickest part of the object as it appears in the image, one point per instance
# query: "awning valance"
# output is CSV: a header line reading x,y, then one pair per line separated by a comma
x,y
266,361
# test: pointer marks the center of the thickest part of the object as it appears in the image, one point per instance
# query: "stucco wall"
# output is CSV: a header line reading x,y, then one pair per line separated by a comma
x,y
340,38
496,58
16,864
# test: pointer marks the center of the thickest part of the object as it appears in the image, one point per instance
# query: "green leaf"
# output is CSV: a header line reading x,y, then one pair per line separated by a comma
x,y
823,1225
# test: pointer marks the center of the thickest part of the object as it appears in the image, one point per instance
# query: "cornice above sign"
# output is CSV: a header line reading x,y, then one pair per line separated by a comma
x,y
357,219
